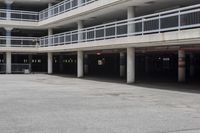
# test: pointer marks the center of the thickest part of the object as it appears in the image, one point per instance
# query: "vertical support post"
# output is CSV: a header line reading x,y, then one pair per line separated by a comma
x,y
30,62
8,8
79,3
122,64
86,64
49,9
50,33
130,65
61,63
80,64
50,63
8,63
8,36
80,34
181,66
131,14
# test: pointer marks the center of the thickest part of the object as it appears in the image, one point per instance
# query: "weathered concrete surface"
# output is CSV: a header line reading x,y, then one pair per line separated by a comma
x,y
53,104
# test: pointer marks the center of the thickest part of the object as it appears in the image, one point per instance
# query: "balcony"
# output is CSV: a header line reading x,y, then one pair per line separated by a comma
x,y
174,20
62,7
19,41
18,15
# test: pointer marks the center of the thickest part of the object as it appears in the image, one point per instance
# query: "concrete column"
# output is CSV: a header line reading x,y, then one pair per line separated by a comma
x,y
61,63
30,62
80,64
50,33
8,8
181,66
80,26
146,64
86,64
131,14
122,64
192,70
50,63
80,2
8,36
8,63
49,9
130,65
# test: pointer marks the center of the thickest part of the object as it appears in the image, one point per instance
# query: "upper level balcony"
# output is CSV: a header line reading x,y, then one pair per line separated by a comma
x,y
157,24
62,7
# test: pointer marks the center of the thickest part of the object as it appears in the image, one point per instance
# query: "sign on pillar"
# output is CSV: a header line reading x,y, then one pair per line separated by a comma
x,y
181,66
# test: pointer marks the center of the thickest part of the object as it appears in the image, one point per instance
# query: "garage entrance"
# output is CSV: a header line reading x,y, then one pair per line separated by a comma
x,y
104,64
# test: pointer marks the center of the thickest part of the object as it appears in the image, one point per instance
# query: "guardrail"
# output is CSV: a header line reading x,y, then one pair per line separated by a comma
x,y
183,18
19,15
55,10
174,20
20,68
19,41
62,7
2,68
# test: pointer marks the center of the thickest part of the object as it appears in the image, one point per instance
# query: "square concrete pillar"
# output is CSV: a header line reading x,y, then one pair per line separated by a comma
x,y
8,63
50,63
80,64
130,65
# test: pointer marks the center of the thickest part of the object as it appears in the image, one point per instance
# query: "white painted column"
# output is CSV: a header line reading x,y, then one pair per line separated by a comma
x,y
130,65
50,33
80,34
50,63
122,64
49,9
8,62
181,66
86,64
8,8
8,36
131,14
80,2
80,64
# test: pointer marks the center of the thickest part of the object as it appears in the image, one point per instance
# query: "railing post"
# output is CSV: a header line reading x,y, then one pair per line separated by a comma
x,y
159,24
142,26
179,20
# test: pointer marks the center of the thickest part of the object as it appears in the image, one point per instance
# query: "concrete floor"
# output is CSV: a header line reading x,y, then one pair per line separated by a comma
x,y
53,104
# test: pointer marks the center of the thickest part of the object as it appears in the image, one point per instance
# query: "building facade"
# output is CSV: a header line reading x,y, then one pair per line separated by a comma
x,y
131,39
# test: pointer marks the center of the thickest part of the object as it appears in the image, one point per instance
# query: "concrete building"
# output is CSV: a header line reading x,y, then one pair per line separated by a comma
x,y
131,39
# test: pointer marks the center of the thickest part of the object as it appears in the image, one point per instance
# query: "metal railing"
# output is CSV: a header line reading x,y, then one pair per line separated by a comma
x,y
2,67
19,41
62,7
32,16
173,20
178,19
20,68
19,15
